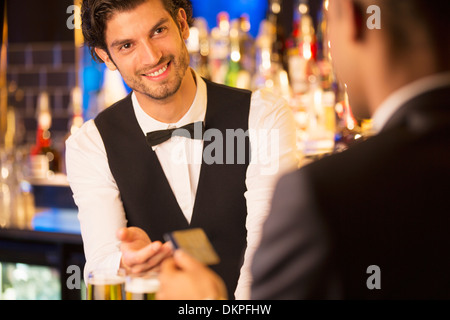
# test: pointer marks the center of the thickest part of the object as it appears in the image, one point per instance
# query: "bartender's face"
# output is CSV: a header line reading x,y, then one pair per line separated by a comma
x,y
147,47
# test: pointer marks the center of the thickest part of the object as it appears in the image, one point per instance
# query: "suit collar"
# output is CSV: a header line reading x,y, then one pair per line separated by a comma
x,y
406,94
427,111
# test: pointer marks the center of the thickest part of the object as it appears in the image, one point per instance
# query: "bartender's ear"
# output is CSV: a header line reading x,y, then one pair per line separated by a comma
x,y
183,24
356,15
104,55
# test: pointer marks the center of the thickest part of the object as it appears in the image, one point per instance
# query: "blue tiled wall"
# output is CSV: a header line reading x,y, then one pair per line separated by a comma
x,y
208,9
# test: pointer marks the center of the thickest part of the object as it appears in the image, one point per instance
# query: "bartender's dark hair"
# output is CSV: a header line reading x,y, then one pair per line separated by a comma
x,y
96,13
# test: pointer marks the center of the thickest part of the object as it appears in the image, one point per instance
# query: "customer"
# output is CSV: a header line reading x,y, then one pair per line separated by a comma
x,y
372,222
125,173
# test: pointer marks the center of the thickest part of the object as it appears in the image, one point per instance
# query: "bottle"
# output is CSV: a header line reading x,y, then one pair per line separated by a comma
x,y
263,75
198,47
348,130
241,60
220,48
23,208
327,77
76,107
277,34
246,44
17,206
5,192
270,71
113,89
45,160
76,121
302,50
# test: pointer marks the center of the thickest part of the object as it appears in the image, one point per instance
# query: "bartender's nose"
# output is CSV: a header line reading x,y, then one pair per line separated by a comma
x,y
150,54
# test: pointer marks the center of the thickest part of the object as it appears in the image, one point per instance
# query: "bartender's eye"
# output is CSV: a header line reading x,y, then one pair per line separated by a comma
x,y
160,30
126,46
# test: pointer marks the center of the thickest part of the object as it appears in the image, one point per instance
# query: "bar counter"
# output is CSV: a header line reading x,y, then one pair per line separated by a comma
x,y
54,241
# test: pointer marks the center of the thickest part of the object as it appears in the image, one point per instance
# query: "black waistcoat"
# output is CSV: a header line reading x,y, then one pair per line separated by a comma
x,y
220,207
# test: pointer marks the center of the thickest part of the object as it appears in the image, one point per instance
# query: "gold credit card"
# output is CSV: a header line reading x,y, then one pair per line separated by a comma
x,y
194,242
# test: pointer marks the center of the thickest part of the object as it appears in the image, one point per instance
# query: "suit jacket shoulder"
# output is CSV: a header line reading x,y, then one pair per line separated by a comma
x,y
383,202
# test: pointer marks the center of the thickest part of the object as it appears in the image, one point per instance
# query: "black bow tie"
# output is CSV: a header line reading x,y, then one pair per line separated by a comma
x,y
192,131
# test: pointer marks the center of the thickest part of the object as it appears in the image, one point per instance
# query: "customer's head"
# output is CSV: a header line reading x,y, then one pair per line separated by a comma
x,y
413,42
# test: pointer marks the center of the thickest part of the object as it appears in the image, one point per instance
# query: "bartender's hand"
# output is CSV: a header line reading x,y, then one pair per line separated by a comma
x,y
184,278
139,253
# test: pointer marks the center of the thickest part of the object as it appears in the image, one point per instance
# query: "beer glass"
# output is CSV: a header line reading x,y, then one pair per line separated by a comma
x,y
106,284
142,286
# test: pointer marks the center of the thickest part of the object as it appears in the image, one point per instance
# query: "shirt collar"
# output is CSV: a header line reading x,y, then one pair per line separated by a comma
x,y
397,99
196,112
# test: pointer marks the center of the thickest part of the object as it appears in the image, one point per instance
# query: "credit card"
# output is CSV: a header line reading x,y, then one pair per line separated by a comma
x,y
194,242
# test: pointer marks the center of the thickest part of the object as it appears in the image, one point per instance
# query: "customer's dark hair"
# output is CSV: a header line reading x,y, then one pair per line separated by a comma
x,y
401,18
96,13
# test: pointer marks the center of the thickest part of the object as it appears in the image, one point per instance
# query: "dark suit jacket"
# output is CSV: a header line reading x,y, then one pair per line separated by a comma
x,y
384,202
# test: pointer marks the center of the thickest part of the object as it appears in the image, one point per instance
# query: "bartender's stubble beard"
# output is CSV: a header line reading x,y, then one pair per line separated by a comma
x,y
167,88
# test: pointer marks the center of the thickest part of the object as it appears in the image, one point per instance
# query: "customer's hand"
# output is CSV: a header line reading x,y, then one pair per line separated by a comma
x,y
139,253
184,278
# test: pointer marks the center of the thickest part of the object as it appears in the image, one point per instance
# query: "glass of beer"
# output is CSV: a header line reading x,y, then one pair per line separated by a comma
x,y
142,286
106,284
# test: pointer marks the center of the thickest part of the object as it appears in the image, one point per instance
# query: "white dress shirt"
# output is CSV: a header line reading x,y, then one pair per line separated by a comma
x,y
272,134
397,99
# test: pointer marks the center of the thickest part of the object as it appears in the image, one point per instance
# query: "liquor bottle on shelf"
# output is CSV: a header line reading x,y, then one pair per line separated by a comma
x,y
113,89
246,44
278,34
348,130
220,48
45,160
327,77
312,101
16,194
270,72
16,197
263,73
5,190
76,107
23,208
302,50
199,47
241,60
323,93
76,120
